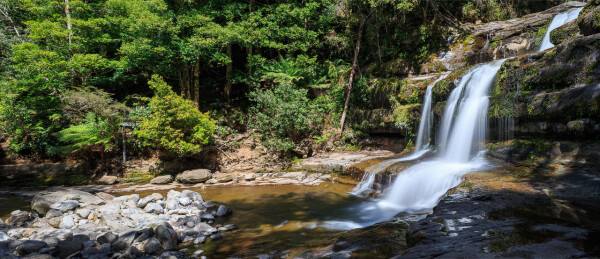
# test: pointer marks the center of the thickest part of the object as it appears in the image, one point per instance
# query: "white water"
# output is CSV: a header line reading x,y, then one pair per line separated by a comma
x,y
365,185
426,123
558,20
422,185
422,147
463,129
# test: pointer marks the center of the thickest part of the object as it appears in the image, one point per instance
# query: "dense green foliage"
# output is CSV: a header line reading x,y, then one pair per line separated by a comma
x,y
174,124
283,66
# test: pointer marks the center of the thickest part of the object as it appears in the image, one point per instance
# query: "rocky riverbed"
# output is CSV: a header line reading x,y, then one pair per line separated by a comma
x,y
76,224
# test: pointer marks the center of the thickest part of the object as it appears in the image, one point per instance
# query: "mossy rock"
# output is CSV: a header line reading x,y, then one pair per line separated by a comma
x,y
589,23
565,33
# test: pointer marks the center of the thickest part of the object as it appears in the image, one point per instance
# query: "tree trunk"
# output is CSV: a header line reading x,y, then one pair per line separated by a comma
x,y
352,73
69,25
250,53
185,82
228,71
4,12
197,83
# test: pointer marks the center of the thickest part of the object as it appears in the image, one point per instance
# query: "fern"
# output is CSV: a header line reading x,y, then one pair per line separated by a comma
x,y
95,133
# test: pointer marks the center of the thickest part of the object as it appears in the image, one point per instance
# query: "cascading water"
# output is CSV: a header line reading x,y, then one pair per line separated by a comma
x,y
426,123
463,128
422,147
464,125
558,20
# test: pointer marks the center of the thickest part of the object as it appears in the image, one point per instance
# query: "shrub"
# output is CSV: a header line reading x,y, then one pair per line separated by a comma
x,y
95,134
174,124
283,116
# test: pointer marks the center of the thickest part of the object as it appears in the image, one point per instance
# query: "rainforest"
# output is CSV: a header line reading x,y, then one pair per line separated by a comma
x,y
299,129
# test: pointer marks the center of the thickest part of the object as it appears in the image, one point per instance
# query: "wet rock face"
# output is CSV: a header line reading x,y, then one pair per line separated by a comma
x,y
486,224
589,24
497,40
548,91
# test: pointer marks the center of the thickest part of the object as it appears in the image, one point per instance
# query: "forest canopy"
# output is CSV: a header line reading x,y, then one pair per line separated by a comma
x,y
73,70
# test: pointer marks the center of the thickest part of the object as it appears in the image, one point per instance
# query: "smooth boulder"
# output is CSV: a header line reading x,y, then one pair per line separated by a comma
x,y
163,179
153,247
30,246
41,203
70,246
223,211
166,235
108,180
194,176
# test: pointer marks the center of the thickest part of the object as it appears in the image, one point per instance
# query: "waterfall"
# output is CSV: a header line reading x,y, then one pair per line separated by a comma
x,y
464,129
558,20
426,123
422,147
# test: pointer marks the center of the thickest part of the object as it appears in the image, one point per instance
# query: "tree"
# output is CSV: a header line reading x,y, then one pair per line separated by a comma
x,y
174,125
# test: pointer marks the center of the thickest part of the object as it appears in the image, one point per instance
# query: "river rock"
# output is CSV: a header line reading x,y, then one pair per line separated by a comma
x,y
124,241
196,197
150,198
166,235
199,239
185,201
250,177
107,238
83,213
194,176
144,235
55,222
105,196
67,222
216,236
132,251
70,245
30,246
65,206
108,180
41,203
18,218
153,247
153,207
223,178
52,213
212,181
163,179
223,211
3,236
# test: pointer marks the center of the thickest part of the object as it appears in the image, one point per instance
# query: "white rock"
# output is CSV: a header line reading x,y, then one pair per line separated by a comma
x,y
153,208
120,199
172,194
83,222
83,213
14,233
171,204
3,236
250,177
67,222
185,201
134,198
